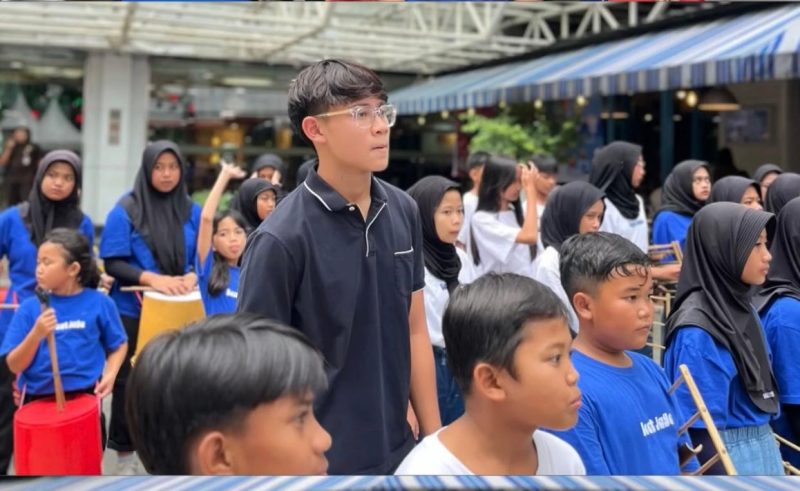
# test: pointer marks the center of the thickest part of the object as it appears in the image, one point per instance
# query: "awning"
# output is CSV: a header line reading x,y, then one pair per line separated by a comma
x,y
753,47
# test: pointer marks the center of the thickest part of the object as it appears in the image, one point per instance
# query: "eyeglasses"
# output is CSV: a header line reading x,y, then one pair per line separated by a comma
x,y
364,116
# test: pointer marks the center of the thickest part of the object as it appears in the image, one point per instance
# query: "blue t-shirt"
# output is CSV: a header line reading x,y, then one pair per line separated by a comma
x,y
121,240
16,244
717,378
781,323
88,326
669,226
224,302
628,424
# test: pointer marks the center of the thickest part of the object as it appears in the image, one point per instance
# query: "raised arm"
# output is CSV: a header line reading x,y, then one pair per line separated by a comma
x,y
226,173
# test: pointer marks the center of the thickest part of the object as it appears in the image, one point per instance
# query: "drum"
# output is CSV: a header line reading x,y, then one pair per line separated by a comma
x,y
48,442
161,313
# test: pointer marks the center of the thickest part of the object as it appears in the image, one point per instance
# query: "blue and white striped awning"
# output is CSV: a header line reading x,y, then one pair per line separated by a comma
x,y
759,46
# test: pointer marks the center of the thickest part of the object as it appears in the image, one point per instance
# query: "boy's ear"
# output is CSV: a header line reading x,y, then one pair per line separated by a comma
x,y
583,305
210,456
485,380
312,130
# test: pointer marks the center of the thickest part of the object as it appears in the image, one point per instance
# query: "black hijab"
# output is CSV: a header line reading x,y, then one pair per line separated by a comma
x,y
784,271
678,195
784,188
731,189
245,200
39,213
612,170
270,160
765,169
441,258
157,216
565,207
711,294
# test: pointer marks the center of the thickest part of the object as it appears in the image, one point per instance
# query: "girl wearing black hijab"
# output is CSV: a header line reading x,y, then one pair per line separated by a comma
x,y
53,201
255,201
784,188
617,169
150,239
737,189
765,175
441,213
779,306
715,331
574,208
686,190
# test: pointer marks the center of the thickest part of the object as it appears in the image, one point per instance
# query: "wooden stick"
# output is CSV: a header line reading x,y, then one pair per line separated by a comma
x,y
654,345
60,399
137,289
8,306
711,428
786,442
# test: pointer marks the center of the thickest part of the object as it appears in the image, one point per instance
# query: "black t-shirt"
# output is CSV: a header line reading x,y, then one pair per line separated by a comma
x,y
346,283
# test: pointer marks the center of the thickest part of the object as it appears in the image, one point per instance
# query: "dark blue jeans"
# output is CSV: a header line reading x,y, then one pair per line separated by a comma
x,y
451,402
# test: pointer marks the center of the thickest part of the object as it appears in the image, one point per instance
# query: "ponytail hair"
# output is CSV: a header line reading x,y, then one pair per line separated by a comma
x,y
220,276
76,250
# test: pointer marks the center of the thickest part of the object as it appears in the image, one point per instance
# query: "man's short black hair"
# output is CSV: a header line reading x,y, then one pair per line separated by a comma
x,y
484,321
545,163
329,83
590,259
210,375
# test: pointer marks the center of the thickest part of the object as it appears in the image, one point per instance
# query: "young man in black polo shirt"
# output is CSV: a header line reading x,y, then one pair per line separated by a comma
x,y
341,260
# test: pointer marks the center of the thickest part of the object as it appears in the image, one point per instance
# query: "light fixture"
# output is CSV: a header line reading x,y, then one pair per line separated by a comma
x,y
538,104
718,99
445,114
677,118
15,65
691,99
471,111
648,117
247,81
421,120
614,115
502,105
580,101
681,94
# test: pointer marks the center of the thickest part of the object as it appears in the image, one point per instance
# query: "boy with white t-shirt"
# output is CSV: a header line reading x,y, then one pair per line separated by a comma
x,y
508,346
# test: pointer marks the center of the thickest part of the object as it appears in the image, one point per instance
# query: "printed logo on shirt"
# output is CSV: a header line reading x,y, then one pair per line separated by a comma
x,y
231,294
652,426
78,324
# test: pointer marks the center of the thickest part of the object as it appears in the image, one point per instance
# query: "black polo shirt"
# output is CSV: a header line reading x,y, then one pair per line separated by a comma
x,y
346,283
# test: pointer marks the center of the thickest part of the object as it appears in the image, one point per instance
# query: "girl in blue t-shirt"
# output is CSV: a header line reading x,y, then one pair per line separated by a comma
x,y
778,304
150,239
686,190
90,340
715,331
220,244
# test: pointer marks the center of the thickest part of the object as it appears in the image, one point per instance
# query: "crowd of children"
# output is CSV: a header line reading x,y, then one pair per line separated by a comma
x,y
356,328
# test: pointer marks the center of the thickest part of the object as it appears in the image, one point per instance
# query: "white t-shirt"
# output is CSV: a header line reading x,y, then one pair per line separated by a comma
x,y
470,205
431,457
495,236
634,229
436,297
549,274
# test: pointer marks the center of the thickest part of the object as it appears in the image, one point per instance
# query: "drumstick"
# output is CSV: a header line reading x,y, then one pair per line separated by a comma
x,y
129,289
8,306
51,345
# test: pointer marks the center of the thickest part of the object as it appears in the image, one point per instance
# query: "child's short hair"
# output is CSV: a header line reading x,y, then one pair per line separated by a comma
x,y
329,83
590,259
483,321
76,250
210,375
545,163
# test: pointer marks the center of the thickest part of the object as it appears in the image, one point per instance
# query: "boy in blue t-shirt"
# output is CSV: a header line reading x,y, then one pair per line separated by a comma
x,y
628,423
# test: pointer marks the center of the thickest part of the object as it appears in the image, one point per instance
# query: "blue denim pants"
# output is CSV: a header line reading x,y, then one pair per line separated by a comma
x,y
753,450
451,402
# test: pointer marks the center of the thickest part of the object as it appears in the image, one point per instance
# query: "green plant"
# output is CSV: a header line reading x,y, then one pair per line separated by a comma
x,y
507,135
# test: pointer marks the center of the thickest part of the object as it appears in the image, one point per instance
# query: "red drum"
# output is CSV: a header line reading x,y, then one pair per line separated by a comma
x,y
49,443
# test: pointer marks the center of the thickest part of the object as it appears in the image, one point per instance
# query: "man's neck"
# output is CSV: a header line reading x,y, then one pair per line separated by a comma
x,y
486,446
541,198
599,351
354,186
